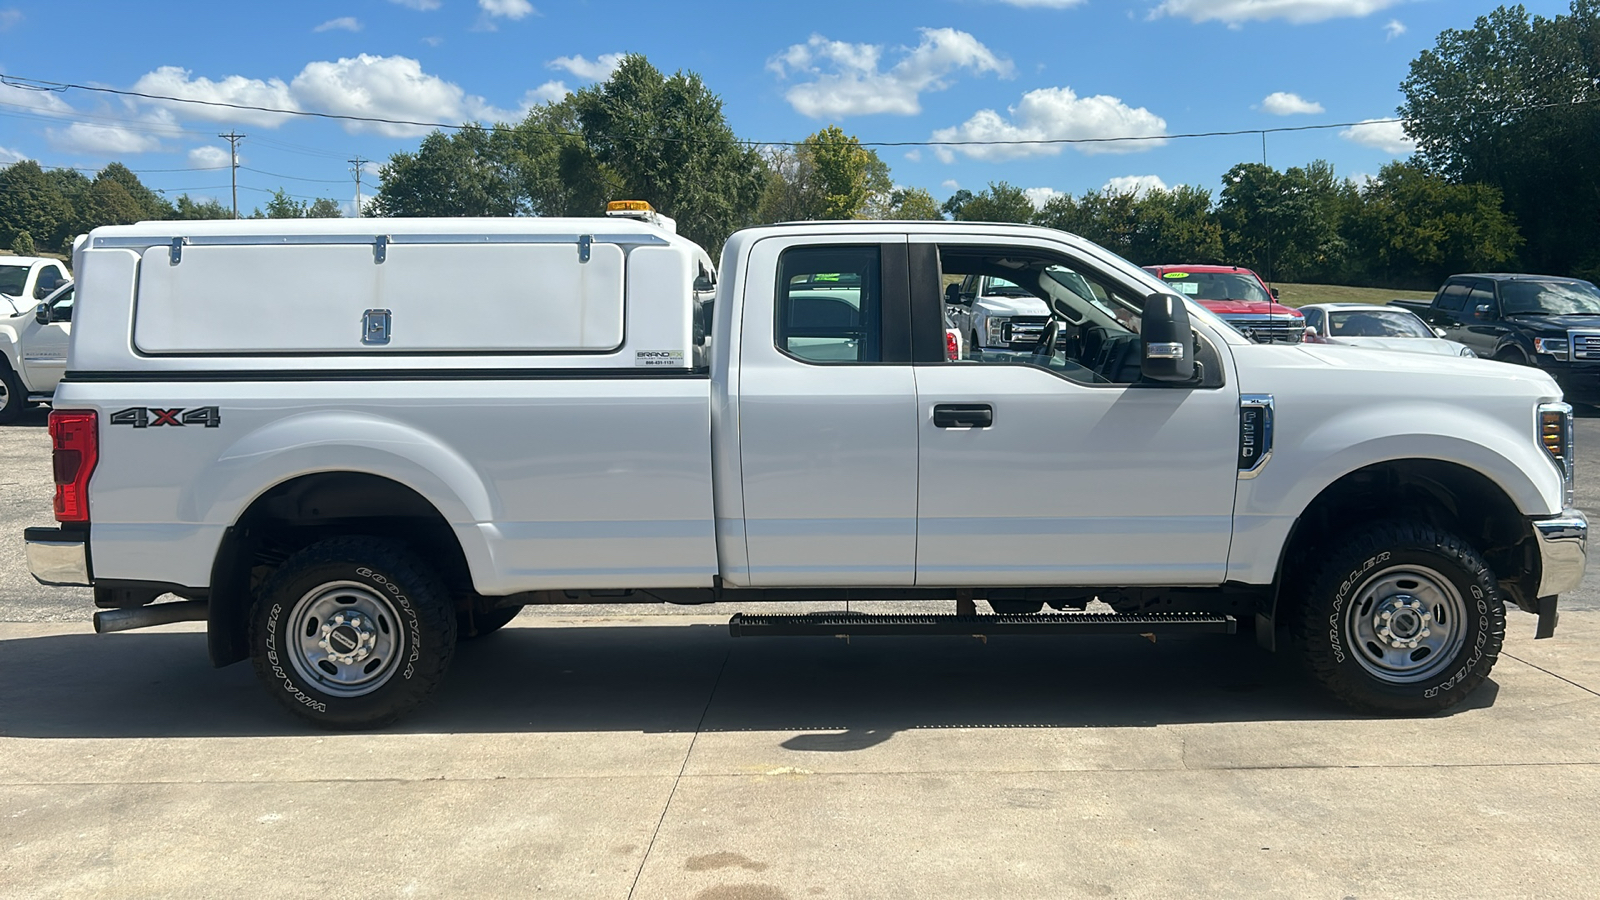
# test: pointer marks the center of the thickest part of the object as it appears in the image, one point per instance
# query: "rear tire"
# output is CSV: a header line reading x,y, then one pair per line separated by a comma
x,y
1401,619
13,396
352,632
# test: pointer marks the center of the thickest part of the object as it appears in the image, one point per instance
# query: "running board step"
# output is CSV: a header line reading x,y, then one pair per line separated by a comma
x,y
841,624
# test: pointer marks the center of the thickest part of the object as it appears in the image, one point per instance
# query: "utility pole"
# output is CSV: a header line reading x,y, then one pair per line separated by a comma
x,y
233,153
356,165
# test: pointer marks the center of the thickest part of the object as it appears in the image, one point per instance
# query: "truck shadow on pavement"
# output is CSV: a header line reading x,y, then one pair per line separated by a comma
x,y
838,696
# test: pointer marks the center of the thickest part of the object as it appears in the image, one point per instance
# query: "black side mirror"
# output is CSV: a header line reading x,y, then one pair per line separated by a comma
x,y
952,293
1167,340
1274,293
41,314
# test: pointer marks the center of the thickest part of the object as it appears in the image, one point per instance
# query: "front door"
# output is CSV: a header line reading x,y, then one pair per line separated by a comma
x,y
44,347
1081,476
827,414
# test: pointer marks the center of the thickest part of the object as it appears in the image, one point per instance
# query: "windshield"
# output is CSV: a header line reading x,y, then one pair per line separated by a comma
x,y
1217,286
1376,323
1554,297
13,279
999,287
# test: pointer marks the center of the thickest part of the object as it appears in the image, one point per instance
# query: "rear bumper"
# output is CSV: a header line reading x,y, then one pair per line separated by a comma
x,y
58,558
1563,551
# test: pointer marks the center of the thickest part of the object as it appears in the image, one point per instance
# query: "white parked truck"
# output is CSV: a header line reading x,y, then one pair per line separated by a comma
x,y
35,320
274,421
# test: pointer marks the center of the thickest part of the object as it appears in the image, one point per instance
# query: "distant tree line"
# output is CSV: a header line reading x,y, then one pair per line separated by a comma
x,y
1506,116
42,210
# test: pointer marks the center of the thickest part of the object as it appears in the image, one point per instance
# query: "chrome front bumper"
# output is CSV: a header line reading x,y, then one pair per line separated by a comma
x,y
1563,551
57,559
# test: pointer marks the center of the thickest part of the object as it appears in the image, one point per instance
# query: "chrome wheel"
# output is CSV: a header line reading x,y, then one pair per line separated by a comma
x,y
1405,624
346,638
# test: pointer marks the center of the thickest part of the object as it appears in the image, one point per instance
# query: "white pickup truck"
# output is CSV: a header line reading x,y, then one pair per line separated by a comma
x,y
35,320
273,421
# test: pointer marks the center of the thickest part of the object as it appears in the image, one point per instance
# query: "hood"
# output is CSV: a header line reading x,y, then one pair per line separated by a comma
x,y
9,305
1013,306
1437,346
1555,324
1250,308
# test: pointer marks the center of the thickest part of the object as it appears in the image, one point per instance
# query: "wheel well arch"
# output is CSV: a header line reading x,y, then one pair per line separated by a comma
x,y
297,512
1447,495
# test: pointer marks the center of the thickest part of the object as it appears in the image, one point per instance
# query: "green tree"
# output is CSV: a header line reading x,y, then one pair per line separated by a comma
x,y
553,170
1415,229
1149,227
31,201
22,244
829,175
667,141
324,208
449,175
1510,103
999,202
283,206
187,207
909,204
148,204
953,205
1286,225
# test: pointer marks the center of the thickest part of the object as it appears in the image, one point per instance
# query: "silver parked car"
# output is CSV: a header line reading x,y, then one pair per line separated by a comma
x,y
1377,327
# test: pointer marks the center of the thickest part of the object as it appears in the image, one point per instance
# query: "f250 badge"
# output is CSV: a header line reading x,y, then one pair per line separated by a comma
x,y
151,417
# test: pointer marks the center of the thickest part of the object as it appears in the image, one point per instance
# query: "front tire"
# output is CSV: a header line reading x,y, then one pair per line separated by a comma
x,y
352,632
1401,619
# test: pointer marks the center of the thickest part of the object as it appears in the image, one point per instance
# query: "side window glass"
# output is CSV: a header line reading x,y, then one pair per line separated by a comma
x,y
830,302
1482,295
1314,319
1455,297
61,310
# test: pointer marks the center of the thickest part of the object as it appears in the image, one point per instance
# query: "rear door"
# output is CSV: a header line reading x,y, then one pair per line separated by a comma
x,y
827,413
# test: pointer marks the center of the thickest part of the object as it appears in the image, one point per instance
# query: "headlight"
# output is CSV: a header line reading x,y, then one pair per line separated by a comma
x,y
1467,351
1555,436
1557,346
995,331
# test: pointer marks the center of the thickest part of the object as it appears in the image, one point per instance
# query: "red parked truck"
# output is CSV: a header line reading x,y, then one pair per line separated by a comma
x,y
1240,297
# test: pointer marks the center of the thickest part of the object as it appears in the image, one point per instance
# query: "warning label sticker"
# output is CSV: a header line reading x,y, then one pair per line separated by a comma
x,y
658,358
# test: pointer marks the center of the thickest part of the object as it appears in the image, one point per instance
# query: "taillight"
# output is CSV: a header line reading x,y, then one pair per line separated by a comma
x,y
75,448
952,345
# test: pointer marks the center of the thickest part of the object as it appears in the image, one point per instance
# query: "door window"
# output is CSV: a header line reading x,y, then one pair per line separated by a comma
x,y
830,304
1454,297
1482,295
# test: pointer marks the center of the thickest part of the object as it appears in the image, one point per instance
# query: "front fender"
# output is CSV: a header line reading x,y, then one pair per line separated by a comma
x,y
1310,456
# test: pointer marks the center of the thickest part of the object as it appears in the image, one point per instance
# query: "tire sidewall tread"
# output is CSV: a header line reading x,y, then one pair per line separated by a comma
x,y
1319,630
424,607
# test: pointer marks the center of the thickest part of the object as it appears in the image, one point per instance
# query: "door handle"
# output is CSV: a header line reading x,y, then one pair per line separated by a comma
x,y
963,415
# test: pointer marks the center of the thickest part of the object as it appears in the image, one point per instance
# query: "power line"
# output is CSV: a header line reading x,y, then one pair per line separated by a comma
x,y
291,177
36,84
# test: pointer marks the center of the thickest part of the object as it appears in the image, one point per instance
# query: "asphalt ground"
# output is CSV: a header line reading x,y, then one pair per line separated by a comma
x,y
649,755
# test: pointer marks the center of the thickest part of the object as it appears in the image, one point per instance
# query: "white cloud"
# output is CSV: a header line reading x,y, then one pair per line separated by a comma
x,y
854,86
507,9
1299,12
418,5
950,184
1039,196
1389,137
1054,114
343,23
172,81
9,18
9,156
433,41
1394,29
1282,103
549,92
1134,184
208,157
914,156
389,87
82,137
1043,4
598,69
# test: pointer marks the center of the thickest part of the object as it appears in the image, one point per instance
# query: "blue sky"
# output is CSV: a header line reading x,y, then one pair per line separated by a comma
x,y
884,71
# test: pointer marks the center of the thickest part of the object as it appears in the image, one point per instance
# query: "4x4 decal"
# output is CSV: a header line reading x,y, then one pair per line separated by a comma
x,y
151,417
